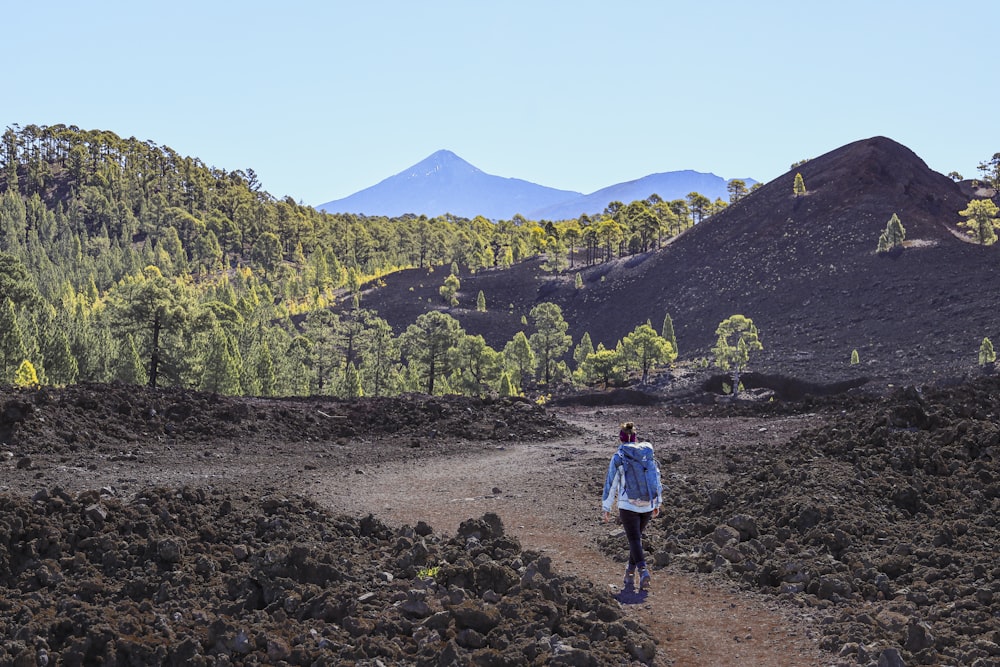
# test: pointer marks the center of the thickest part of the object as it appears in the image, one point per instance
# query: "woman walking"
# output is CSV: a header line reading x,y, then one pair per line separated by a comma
x,y
633,482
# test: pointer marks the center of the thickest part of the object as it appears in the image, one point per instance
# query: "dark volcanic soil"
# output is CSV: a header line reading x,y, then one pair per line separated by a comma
x,y
168,527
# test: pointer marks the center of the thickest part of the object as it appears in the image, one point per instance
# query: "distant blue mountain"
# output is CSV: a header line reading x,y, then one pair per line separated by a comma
x,y
445,183
669,186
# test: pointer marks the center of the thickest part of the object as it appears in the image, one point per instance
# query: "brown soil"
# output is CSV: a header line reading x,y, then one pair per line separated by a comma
x,y
169,527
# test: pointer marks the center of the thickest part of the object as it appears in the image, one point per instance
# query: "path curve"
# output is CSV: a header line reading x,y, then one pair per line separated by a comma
x,y
696,623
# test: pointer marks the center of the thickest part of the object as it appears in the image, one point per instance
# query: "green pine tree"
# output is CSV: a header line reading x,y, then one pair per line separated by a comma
x,y
737,339
799,187
264,369
893,236
987,355
12,347
352,382
26,375
221,369
506,387
668,332
982,220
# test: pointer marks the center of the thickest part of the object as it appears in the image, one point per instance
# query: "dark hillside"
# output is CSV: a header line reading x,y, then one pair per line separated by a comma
x,y
803,268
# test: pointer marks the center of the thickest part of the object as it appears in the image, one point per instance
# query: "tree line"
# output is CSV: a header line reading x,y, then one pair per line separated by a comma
x,y
121,260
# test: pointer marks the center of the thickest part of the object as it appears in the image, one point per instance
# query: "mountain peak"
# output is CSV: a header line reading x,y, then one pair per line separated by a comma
x,y
445,183
442,160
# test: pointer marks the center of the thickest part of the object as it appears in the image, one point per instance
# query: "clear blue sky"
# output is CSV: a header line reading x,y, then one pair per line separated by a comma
x,y
324,98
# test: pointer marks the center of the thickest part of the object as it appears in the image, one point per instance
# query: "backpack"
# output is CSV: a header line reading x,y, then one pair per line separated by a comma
x,y
641,472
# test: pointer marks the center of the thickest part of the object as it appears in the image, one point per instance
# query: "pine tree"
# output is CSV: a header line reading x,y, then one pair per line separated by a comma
x,y
550,339
61,368
352,382
221,374
578,281
264,369
519,359
12,347
583,349
987,355
982,220
893,236
799,187
428,343
731,356
649,349
481,302
506,387
450,288
855,359
668,332
129,368
26,375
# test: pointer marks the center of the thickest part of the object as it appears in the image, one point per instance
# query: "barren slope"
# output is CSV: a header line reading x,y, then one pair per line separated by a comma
x,y
803,268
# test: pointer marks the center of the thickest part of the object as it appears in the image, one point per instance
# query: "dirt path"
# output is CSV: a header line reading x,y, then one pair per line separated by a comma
x,y
696,623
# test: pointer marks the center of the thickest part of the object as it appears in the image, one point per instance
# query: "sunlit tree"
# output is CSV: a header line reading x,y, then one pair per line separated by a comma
x,y
737,338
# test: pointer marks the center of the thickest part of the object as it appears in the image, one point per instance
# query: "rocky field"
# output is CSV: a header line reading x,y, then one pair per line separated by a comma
x,y
166,527
881,523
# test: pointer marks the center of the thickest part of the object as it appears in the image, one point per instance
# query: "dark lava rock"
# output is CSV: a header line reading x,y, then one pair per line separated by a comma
x,y
884,523
188,576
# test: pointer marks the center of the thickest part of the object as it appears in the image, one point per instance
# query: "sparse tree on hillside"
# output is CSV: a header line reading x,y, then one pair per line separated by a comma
x,y
667,331
799,186
987,355
649,349
982,220
737,190
584,348
699,205
893,236
602,365
450,289
481,302
955,176
737,339
855,359
990,169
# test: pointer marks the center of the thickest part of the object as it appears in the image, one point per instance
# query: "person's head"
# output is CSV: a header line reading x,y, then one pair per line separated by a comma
x,y
628,427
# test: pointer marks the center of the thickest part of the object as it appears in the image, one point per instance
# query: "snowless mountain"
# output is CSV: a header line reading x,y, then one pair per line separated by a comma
x,y
445,183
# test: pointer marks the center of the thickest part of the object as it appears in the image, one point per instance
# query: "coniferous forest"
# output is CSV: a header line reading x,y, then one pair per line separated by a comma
x,y
122,261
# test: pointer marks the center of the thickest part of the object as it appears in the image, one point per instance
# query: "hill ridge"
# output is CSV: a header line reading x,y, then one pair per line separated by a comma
x,y
803,268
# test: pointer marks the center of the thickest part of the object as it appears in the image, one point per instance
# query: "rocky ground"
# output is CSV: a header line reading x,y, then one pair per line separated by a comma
x,y
168,527
882,522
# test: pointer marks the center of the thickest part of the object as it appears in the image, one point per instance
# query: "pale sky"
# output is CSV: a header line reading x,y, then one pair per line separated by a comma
x,y
325,98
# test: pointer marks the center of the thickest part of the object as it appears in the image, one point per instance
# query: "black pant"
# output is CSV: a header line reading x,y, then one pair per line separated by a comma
x,y
634,523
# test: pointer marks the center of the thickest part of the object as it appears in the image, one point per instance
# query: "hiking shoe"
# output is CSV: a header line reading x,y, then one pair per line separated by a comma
x,y
643,580
629,578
